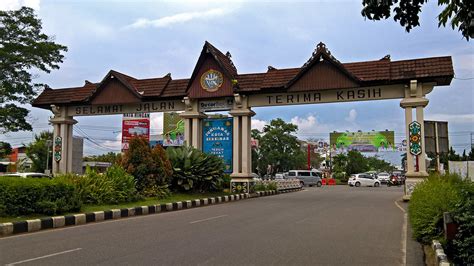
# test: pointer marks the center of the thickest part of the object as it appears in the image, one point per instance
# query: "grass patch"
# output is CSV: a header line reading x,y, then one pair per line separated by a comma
x,y
149,201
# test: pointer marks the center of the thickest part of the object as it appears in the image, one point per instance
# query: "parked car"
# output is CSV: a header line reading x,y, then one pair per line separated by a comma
x,y
363,180
306,177
279,176
29,175
383,177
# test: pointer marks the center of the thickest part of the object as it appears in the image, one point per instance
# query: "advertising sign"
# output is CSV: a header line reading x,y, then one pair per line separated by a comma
x,y
173,129
217,139
137,124
363,141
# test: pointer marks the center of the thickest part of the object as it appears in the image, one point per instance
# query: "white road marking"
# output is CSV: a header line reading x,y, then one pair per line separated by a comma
x,y
404,234
208,219
43,257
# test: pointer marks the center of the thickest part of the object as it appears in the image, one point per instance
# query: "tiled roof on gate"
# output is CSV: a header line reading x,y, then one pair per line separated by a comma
x,y
383,71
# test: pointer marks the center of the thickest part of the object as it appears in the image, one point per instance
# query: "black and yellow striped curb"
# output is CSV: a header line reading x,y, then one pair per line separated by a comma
x,y
34,225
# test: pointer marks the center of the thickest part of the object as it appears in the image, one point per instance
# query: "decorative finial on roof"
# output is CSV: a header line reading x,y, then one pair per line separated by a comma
x,y
168,75
228,55
321,47
46,87
271,68
387,57
86,82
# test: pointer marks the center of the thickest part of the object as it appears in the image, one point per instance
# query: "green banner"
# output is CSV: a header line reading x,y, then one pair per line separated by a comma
x,y
362,141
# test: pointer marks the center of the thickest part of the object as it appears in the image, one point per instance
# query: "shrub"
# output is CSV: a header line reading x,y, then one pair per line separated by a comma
x,y
113,186
194,170
22,196
429,200
461,248
265,185
150,168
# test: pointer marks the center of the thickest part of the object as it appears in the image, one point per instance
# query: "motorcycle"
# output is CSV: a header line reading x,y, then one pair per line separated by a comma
x,y
393,181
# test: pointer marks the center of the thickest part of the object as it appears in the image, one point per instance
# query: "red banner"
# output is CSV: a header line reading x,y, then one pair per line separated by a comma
x,y
138,125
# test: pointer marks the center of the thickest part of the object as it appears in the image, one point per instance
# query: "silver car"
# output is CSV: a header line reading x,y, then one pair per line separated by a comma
x,y
306,177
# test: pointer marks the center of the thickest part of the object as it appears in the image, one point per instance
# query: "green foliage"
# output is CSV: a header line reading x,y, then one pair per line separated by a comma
x,y
23,47
356,163
22,196
429,200
110,157
407,12
461,248
5,149
376,164
265,185
113,186
279,148
151,168
194,170
38,150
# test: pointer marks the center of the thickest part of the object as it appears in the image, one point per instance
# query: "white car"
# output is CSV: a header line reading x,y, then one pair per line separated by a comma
x,y
279,176
383,177
29,175
358,180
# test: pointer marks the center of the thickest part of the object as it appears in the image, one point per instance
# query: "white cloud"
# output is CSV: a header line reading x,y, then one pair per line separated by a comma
x,y
179,18
114,144
352,116
156,123
309,125
452,118
17,4
258,124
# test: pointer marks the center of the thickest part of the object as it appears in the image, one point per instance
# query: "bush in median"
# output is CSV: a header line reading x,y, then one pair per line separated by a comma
x,y
194,170
113,186
462,247
429,200
22,196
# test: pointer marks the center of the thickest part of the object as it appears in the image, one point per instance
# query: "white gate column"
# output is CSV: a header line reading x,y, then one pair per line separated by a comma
x,y
242,153
414,99
192,123
62,140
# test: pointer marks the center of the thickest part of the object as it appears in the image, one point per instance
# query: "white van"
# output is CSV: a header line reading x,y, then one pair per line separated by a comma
x,y
306,177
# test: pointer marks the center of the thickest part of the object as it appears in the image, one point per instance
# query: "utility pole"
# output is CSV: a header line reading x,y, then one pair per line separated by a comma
x,y
48,144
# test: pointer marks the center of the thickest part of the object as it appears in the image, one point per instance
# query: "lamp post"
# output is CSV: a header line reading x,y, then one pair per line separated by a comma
x,y
48,144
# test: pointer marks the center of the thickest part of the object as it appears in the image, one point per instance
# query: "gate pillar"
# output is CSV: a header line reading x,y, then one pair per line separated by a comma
x,y
242,153
62,139
414,100
192,123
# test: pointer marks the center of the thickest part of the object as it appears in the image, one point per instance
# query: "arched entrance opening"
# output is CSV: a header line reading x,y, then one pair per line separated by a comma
x,y
216,85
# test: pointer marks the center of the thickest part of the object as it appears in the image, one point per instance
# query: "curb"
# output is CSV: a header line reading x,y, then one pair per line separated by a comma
x,y
441,258
34,225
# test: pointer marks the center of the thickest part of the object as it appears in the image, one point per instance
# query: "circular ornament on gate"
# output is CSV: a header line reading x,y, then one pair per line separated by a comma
x,y
211,80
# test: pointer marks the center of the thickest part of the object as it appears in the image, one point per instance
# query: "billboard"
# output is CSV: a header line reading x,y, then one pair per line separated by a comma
x,y
217,139
136,124
173,129
362,141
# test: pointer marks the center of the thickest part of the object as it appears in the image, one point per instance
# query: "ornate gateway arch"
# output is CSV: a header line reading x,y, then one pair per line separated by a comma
x,y
216,85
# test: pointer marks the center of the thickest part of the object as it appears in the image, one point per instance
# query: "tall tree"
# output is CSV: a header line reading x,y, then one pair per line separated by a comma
x,y
460,12
23,47
279,148
38,150
5,149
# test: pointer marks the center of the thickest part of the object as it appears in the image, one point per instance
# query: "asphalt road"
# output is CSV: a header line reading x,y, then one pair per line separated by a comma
x,y
318,226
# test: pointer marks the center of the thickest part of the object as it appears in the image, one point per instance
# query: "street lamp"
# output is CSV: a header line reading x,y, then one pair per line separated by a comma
x,y
49,143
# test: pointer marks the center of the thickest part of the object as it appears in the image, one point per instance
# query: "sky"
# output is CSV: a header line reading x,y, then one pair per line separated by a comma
x,y
152,38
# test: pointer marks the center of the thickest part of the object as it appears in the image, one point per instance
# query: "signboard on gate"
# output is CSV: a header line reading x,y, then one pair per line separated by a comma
x,y
217,139
135,124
